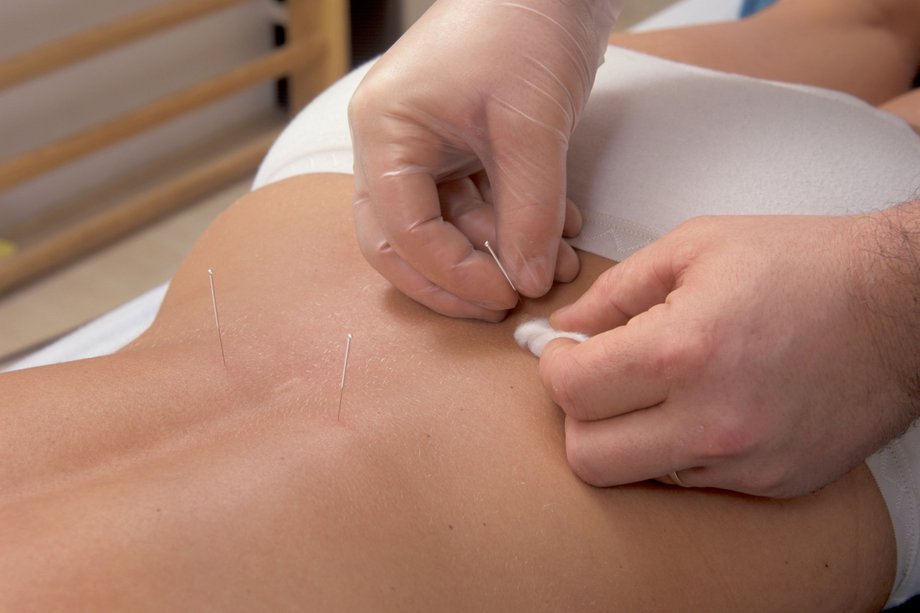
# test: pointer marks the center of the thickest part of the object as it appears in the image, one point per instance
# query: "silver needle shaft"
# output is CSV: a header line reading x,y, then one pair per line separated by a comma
x,y
344,369
220,337
500,267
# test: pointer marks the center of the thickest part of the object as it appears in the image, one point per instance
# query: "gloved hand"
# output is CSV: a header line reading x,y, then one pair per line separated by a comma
x,y
483,95
766,355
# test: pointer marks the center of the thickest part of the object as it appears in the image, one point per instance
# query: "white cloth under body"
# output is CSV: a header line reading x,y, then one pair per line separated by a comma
x,y
661,142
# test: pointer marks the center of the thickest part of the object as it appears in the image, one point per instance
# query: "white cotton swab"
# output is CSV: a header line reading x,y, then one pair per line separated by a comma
x,y
535,334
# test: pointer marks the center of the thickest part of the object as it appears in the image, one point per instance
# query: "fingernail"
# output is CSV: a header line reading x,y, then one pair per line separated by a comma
x,y
537,277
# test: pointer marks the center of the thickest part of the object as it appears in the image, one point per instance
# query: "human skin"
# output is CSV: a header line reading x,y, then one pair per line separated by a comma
x,y
762,355
158,478
766,355
867,48
492,88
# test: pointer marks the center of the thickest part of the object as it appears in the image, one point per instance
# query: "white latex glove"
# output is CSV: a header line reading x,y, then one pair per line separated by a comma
x,y
483,94
766,355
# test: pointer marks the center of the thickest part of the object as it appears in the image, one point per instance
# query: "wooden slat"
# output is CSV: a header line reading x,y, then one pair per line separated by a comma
x,y
305,19
131,214
28,165
57,54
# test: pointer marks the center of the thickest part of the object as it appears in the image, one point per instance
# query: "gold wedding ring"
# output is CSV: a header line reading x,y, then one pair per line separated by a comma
x,y
675,479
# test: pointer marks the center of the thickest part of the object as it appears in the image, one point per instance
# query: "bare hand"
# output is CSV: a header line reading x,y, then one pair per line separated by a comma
x,y
766,355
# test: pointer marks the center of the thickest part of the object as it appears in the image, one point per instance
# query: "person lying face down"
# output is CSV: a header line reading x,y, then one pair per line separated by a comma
x,y
159,478
176,480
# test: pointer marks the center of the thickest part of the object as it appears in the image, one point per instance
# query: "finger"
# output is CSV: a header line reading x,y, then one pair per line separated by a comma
x,y
610,374
386,261
465,208
481,180
527,172
567,263
573,220
635,447
408,213
631,287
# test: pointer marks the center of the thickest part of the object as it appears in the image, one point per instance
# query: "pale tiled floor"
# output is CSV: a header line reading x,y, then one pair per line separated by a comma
x,y
62,301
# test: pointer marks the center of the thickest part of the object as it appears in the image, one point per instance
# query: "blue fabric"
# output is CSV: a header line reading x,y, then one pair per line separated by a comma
x,y
749,7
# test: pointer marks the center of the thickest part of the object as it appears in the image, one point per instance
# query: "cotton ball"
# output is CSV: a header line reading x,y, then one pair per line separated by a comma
x,y
534,335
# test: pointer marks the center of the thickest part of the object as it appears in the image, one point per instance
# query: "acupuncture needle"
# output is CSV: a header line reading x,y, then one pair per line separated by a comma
x,y
344,369
500,267
216,316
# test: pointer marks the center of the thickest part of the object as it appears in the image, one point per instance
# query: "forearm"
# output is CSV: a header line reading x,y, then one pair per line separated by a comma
x,y
886,286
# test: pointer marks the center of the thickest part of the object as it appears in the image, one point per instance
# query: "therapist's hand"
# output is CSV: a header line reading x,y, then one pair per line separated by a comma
x,y
483,94
766,355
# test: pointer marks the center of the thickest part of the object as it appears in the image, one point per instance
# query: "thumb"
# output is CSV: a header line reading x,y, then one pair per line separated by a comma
x,y
526,168
627,289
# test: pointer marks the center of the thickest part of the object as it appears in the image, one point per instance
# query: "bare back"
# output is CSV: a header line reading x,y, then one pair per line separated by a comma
x,y
158,478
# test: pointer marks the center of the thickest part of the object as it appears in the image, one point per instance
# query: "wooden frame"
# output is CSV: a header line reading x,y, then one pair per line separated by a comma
x,y
314,55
